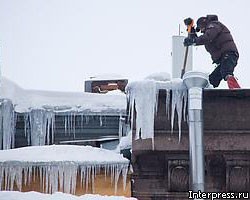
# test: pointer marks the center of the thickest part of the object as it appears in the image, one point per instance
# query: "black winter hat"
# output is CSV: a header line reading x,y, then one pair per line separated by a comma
x,y
211,18
201,23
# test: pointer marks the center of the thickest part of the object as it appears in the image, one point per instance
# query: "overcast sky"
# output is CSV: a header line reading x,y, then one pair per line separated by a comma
x,y
57,44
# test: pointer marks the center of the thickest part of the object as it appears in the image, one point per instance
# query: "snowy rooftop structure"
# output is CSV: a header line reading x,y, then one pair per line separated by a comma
x,y
26,100
58,167
165,159
40,113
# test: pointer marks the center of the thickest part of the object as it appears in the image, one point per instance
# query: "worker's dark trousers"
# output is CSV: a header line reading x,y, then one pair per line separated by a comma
x,y
225,67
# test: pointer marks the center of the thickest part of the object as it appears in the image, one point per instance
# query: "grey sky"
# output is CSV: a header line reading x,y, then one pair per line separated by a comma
x,y
56,44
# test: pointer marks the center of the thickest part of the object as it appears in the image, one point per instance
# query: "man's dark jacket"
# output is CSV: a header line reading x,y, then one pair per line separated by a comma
x,y
217,40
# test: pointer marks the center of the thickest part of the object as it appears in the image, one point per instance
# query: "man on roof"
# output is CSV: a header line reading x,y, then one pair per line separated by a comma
x,y
219,42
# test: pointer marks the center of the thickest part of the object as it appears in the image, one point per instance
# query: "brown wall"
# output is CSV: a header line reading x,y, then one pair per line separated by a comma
x,y
163,173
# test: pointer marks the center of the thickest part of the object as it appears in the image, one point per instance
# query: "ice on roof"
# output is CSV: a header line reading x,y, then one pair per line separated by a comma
x,y
60,164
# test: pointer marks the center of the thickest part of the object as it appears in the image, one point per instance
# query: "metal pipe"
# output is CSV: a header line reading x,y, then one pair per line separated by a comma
x,y
195,82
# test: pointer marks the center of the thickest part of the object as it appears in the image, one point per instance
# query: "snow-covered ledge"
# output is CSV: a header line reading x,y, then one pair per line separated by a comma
x,y
58,166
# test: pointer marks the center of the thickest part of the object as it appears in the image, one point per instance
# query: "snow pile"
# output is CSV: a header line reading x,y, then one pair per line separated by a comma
x,y
143,97
11,195
58,166
125,142
161,76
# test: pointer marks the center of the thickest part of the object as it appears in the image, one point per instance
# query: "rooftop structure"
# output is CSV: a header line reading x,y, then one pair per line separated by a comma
x,y
160,152
31,117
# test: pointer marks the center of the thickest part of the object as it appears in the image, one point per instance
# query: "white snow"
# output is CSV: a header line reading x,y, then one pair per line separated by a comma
x,y
102,77
160,76
115,92
143,96
59,165
52,153
25,100
14,195
125,142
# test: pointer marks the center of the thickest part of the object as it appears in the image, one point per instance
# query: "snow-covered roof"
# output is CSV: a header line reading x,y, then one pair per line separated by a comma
x,y
58,153
14,195
60,165
25,100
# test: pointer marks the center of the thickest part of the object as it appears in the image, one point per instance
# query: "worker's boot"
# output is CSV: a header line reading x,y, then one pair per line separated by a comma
x,y
232,82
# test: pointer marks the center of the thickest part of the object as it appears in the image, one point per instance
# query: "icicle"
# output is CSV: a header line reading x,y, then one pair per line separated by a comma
x,y
61,177
13,132
143,95
82,122
41,177
118,170
93,178
120,127
71,123
7,124
1,176
57,176
87,177
105,171
46,176
30,173
124,175
174,100
100,119
82,176
50,121
65,125
41,122
178,99
185,105
53,127
86,119
6,177
16,176
74,125
73,177
167,103
112,174
26,129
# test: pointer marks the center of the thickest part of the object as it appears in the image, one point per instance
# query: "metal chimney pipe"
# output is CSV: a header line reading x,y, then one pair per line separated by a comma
x,y
195,82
